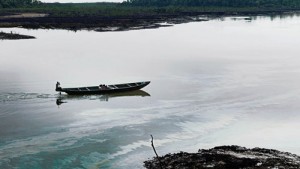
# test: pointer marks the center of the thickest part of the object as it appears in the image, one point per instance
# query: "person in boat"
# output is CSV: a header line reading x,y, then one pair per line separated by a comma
x,y
103,87
58,88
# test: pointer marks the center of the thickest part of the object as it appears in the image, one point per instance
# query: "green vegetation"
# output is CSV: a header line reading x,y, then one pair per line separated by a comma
x,y
168,7
147,7
217,3
81,9
17,3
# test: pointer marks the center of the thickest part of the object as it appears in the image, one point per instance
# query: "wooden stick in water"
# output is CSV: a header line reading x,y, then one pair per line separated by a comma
x,y
155,152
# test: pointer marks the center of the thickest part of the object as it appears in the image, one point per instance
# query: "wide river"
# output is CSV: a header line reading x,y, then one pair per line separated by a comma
x,y
228,81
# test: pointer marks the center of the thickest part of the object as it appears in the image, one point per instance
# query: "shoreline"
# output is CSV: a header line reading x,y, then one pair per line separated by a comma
x,y
30,20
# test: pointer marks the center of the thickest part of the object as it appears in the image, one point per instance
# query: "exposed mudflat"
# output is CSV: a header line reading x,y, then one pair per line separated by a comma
x,y
227,157
13,36
96,23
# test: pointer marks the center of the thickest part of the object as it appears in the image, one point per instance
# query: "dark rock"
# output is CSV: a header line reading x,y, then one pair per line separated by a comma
x,y
227,157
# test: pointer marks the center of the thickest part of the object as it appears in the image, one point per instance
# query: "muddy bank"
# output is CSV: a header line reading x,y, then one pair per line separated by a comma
x,y
14,36
115,23
97,23
227,157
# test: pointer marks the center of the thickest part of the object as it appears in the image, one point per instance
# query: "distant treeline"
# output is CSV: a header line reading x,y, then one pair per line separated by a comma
x,y
17,3
149,8
217,3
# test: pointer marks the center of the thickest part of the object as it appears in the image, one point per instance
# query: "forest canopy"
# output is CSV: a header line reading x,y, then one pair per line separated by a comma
x,y
217,3
233,4
17,3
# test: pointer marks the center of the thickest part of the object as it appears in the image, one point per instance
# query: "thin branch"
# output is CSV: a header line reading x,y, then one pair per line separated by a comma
x,y
155,152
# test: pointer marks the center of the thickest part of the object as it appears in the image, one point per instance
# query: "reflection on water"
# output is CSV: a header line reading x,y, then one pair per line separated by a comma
x,y
59,101
272,17
105,97
227,81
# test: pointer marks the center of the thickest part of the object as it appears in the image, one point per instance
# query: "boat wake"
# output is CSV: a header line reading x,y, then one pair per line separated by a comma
x,y
11,97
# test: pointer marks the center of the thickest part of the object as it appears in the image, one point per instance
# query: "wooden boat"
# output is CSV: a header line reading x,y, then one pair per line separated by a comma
x,y
102,89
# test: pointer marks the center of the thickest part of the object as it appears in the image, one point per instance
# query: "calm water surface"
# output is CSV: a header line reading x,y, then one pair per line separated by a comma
x,y
222,82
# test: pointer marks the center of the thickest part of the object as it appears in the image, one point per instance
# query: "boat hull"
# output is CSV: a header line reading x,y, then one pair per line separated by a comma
x,y
117,88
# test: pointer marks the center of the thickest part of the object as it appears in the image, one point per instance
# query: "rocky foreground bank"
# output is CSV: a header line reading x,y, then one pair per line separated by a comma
x,y
13,36
227,157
